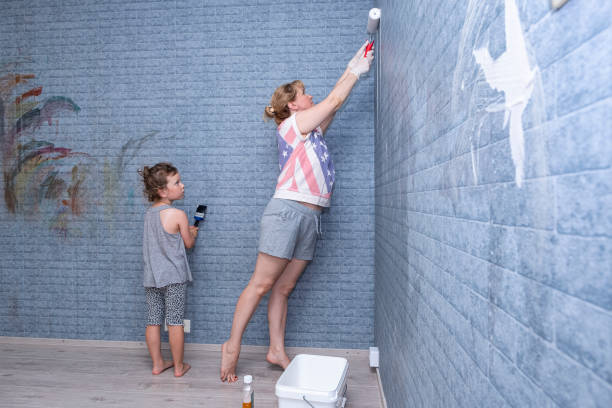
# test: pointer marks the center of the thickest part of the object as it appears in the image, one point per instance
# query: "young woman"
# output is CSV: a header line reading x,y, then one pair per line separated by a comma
x,y
290,224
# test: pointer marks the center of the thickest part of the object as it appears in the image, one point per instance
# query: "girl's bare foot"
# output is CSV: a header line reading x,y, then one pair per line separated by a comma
x,y
166,365
229,359
278,358
179,372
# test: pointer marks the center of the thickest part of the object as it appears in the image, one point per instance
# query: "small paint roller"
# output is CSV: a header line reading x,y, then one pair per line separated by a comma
x,y
199,215
373,20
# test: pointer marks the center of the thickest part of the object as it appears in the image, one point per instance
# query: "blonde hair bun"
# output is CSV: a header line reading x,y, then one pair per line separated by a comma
x,y
278,108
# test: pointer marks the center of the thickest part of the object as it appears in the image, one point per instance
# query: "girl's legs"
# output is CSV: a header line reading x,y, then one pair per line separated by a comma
x,y
175,312
268,268
153,338
155,318
277,311
176,338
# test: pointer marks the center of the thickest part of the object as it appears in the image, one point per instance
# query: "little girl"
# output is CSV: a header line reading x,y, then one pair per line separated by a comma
x,y
166,271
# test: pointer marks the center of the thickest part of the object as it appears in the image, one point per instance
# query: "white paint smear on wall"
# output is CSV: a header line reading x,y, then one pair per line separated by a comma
x,y
511,74
465,93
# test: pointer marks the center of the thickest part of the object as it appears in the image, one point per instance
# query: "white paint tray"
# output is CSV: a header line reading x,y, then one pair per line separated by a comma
x,y
319,379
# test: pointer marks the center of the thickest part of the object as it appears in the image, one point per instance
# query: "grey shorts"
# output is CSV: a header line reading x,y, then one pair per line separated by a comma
x,y
289,230
168,302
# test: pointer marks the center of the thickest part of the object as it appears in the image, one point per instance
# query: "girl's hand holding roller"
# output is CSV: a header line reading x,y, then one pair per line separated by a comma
x,y
193,231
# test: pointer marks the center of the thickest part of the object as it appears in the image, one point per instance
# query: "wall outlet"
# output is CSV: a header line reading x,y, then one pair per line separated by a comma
x,y
374,357
186,326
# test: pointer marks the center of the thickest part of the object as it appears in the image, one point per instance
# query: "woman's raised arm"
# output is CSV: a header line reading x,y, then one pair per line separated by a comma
x,y
322,113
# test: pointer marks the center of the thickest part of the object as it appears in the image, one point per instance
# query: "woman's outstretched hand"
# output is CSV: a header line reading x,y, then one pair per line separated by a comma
x,y
359,64
360,52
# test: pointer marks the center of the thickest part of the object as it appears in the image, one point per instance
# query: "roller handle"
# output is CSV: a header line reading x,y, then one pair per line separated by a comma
x,y
199,215
368,49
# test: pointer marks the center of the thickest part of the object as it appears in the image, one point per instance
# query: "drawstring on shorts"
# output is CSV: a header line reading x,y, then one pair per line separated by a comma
x,y
318,226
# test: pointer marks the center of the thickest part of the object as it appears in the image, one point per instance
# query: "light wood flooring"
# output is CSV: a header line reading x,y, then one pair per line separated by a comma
x,y
81,373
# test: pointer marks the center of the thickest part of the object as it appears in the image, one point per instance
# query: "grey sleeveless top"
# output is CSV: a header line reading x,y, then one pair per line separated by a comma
x,y
165,259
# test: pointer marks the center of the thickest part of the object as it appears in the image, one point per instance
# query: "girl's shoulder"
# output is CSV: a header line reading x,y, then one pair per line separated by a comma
x,y
166,210
173,212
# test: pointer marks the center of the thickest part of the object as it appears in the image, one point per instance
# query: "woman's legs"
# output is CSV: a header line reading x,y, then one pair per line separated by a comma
x,y
277,311
268,268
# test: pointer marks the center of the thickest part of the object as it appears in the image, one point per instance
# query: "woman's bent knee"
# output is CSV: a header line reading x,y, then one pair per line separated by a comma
x,y
261,288
283,290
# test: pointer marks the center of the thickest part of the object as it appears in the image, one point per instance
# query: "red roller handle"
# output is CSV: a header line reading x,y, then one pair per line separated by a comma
x,y
368,48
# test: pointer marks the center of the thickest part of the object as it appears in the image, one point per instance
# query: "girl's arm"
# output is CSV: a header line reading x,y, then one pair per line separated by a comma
x,y
188,232
322,113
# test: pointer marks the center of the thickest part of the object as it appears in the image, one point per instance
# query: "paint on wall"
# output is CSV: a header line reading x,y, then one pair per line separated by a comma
x,y
41,179
36,173
464,92
115,170
511,76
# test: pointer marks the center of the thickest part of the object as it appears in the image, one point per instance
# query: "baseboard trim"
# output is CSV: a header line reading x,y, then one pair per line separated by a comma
x,y
188,346
381,391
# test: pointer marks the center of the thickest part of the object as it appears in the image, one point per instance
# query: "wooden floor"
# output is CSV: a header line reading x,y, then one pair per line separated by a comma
x,y
82,373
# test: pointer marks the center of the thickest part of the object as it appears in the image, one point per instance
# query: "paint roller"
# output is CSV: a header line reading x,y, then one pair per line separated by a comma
x,y
199,215
373,20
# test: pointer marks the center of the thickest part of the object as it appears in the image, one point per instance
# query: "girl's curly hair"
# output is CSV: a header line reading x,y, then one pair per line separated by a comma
x,y
156,178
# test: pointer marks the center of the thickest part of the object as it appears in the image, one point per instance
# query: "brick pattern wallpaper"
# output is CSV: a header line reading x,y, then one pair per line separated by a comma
x,y
93,90
490,293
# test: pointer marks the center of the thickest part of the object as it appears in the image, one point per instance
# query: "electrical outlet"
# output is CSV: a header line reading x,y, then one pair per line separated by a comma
x,y
374,357
186,326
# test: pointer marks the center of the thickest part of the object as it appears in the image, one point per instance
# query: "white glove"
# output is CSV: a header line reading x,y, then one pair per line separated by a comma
x,y
354,60
360,64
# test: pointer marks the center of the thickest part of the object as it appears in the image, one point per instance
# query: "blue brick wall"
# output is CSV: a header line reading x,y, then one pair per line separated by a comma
x,y
490,293
186,82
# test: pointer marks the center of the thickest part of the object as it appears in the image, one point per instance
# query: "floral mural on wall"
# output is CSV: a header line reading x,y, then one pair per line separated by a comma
x,y
41,178
36,172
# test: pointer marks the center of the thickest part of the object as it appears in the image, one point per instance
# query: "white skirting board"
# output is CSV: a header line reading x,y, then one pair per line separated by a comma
x,y
383,400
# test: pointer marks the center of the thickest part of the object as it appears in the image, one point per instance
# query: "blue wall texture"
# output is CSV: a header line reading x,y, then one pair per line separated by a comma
x,y
493,291
93,90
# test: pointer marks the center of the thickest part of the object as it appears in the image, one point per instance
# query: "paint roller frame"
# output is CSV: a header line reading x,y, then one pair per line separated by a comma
x,y
372,28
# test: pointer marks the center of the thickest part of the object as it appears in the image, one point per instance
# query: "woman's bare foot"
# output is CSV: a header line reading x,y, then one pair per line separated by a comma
x,y
278,358
166,364
229,359
180,371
